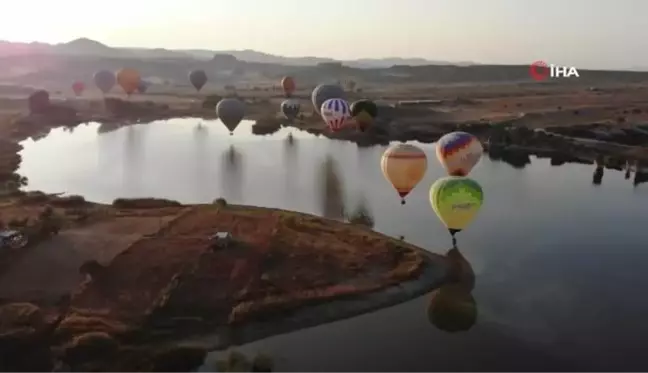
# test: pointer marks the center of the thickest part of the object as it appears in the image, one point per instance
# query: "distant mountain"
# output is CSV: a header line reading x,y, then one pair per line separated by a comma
x,y
85,46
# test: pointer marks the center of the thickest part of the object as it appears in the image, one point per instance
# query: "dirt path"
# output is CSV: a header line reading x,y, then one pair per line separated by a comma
x,y
50,269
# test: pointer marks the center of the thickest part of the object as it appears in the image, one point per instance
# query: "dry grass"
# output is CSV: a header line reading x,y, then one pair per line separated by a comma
x,y
281,261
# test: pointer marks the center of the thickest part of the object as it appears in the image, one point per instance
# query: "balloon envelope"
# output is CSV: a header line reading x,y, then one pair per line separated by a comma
x,y
325,92
198,79
129,80
456,200
459,152
290,108
364,112
78,88
104,80
404,166
335,113
288,85
231,112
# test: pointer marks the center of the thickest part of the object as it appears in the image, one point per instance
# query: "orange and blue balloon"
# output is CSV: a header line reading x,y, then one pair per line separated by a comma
x,y
459,152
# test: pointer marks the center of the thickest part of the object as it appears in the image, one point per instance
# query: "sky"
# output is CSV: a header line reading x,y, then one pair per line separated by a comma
x,y
580,33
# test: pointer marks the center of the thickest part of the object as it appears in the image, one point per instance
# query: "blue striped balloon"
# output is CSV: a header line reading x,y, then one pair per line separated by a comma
x,y
336,113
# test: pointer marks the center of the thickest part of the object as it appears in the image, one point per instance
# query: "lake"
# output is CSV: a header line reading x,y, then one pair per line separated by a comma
x,y
560,262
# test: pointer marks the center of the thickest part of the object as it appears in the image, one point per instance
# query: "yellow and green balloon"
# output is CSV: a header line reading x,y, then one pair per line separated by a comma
x,y
456,201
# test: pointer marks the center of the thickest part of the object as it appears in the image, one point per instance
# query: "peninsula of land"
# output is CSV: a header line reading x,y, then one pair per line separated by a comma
x,y
133,278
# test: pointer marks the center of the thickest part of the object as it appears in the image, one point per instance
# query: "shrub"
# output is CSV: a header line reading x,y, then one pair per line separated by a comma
x,y
144,203
35,198
220,202
91,268
38,102
211,101
69,201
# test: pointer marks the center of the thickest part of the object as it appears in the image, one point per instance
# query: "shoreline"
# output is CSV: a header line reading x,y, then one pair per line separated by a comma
x,y
431,277
397,124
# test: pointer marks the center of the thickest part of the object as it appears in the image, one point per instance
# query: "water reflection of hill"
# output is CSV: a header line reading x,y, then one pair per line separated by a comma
x,y
519,158
515,158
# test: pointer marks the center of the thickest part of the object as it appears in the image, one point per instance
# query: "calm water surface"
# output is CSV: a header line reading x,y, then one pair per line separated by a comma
x,y
561,264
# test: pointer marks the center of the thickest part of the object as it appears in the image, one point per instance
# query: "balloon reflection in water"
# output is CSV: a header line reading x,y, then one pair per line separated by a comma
x,y
597,177
452,307
331,190
232,173
291,164
628,170
133,154
201,148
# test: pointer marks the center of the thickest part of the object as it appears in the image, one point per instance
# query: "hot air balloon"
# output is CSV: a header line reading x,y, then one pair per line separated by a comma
x,y
230,111
456,200
404,166
335,113
104,80
142,87
452,309
198,79
459,152
364,112
288,85
325,92
129,80
78,88
290,108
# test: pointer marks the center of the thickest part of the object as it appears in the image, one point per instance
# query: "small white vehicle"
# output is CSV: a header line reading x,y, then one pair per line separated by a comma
x,y
10,239
220,240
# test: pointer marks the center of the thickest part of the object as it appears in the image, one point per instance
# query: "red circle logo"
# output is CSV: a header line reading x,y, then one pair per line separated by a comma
x,y
539,70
